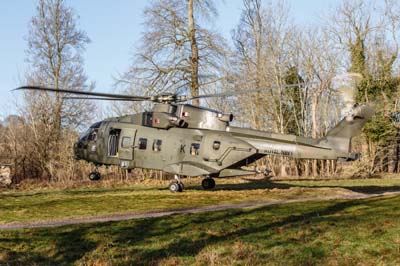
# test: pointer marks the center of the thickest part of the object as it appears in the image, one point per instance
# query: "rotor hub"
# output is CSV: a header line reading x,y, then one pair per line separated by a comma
x,y
163,98
168,98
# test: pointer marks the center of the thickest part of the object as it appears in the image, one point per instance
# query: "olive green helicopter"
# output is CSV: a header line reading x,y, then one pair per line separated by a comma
x,y
186,140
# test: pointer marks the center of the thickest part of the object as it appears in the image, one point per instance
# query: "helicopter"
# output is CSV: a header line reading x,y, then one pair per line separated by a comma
x,y
187,140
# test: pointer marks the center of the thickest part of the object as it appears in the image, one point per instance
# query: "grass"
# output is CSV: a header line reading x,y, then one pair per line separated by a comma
x,y
344,232
367,184
45,205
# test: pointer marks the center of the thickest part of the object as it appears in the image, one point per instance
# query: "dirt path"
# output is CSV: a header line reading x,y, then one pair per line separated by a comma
x,y
152,214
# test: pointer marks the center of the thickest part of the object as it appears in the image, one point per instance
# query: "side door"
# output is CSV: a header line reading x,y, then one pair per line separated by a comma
x,y
126,144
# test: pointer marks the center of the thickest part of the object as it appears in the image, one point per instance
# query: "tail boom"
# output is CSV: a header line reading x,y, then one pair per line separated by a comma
x,y
335,145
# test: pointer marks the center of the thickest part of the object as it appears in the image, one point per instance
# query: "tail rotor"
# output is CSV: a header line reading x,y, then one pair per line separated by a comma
x,y
345,86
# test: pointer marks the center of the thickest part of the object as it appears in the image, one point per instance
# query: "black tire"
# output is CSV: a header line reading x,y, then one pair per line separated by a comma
x,y
212,185
208,183
174,187
94,176
181,186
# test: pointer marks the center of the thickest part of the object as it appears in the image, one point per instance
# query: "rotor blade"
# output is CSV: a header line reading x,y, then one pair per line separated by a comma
x,y
101,99
110,95
233,93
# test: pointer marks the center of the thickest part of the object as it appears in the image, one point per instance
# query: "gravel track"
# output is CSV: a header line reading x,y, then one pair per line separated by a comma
x,y
153,214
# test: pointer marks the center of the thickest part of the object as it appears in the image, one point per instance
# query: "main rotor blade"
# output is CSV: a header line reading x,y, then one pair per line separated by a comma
x,y
101,99
233,93
100,94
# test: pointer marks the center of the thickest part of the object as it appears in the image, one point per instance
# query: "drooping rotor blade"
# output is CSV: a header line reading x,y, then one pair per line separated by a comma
x,y
233,93
100,94
101,99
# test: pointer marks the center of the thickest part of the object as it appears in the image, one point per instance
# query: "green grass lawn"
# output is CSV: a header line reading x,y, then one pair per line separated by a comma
x,y
345,232
45,205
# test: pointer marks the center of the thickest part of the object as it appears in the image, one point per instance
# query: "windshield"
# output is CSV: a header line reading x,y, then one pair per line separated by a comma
x,y
96,125
85,134
92,132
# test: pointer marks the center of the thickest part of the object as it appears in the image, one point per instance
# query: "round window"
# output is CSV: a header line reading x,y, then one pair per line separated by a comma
x,y
216,145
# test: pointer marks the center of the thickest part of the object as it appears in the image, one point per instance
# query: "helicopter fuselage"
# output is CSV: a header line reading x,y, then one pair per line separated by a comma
x,y
187,140
191,141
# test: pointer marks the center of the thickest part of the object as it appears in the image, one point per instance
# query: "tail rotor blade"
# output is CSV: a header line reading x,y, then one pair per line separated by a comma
x,y
346,87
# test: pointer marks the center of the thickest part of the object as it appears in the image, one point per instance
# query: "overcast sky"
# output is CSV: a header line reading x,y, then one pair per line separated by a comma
x,y
114,28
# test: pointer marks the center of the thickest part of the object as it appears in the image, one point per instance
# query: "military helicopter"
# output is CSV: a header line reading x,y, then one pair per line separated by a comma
x,y
186,140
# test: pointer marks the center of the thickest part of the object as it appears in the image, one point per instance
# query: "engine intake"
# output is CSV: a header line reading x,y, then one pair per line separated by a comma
x,y
225,117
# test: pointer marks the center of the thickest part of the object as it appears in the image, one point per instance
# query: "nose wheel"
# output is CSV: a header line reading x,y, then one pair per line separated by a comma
x,y
208,183
95,175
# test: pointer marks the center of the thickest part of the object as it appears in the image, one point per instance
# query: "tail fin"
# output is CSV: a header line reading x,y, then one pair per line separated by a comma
x,y
339,138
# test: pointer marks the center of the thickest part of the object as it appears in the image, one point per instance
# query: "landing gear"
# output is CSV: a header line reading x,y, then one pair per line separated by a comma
x,y
267,173
95,175
208,183
176,186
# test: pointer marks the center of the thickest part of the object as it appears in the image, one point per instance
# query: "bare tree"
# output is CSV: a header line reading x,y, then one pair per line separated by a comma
x,y
318,64
176,52
249,40
264,39
368,32
54,54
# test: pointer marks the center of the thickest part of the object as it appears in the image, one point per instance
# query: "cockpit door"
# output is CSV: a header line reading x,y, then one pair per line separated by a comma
x,y
126,143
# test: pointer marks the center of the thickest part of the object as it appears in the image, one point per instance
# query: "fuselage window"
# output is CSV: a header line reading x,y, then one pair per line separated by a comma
x,y
157,145
216,145
142,144
195,148
126,142
148,119
113,140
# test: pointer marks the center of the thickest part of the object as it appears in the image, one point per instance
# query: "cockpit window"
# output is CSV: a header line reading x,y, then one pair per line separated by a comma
x,y
85,135
91,133
96,125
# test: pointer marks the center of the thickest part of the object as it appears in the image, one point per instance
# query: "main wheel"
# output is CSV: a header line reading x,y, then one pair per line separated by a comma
x,y
94,176
208,183
175,187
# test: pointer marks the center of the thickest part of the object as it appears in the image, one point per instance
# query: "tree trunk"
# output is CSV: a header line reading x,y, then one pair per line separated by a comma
x,y
307,168
314,109
195,54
